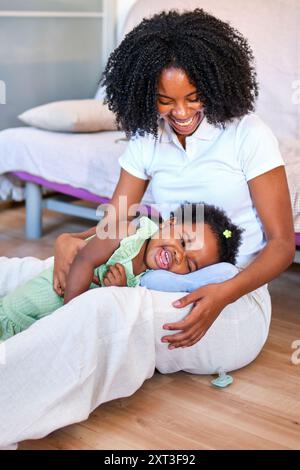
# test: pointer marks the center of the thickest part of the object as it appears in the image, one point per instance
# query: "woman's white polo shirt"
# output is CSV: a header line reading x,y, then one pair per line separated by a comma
x,y
214,168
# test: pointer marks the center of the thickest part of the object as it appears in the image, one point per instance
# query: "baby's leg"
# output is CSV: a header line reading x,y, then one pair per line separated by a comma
x,y
27,304
17,271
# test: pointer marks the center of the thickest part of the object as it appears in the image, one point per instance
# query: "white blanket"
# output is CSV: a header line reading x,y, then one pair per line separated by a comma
x,y
103,345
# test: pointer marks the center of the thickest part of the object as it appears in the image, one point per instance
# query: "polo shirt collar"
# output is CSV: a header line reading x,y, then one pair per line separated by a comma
x,y
205,131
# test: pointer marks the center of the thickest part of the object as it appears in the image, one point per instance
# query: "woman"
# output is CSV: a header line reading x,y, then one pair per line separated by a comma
x,y
183,87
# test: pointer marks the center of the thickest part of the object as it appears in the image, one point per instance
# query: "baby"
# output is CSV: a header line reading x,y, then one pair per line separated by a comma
x,y
181,245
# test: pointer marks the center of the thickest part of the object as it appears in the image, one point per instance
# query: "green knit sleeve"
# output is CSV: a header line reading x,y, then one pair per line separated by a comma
x,y
128,250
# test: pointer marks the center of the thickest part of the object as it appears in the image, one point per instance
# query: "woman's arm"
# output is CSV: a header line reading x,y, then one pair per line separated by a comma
x,y
81,273
270,196
97,251
80,235
67,246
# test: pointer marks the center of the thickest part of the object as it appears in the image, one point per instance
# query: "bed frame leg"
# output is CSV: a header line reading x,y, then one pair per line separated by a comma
x,y
33,204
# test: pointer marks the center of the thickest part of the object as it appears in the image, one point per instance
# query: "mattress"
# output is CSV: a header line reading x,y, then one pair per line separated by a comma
x,y
87,161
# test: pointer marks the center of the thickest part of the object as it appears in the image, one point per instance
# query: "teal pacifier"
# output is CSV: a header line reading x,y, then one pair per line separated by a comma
x,y
223,380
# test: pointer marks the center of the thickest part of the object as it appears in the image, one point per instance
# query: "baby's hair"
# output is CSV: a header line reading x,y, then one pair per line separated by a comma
x,y
216,58
229,235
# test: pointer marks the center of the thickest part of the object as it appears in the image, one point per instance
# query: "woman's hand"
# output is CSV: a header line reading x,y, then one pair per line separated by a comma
x,y
209,301
115,276
65,250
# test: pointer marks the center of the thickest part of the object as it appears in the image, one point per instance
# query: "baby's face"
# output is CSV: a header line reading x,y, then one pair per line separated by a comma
x,y
181,248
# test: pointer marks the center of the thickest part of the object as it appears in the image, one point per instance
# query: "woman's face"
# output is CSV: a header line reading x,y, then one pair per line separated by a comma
x,y
178,101
182,248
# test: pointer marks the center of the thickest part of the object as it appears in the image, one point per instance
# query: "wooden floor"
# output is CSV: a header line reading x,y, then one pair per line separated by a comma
x,y
261,410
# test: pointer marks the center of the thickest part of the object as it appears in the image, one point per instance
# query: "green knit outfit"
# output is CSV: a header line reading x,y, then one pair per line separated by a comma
x,y
36,299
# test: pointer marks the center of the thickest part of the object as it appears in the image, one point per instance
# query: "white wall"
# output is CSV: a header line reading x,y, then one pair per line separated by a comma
x,y
49,55
123,7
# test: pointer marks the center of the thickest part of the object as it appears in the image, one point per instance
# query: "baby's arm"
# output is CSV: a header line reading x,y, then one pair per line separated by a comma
x,y
80,277
115,276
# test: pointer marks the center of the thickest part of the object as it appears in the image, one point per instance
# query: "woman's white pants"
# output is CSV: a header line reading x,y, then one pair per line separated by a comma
x,y
103,345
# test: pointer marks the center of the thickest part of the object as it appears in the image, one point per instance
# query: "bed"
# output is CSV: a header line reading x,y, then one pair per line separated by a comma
x,y
54,161
86,165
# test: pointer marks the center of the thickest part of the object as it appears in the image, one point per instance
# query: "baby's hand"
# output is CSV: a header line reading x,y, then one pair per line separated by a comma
x,y
115,276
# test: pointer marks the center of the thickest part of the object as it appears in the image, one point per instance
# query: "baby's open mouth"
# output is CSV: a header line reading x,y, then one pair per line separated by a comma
x,y
163,258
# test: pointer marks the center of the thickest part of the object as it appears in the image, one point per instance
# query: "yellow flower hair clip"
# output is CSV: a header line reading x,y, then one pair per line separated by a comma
x,y
227,233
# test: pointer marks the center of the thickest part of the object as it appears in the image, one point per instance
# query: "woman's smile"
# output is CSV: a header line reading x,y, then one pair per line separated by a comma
x,y
187,126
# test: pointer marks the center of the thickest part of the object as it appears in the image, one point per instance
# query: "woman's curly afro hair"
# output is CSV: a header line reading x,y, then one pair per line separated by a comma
x,y
216,58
